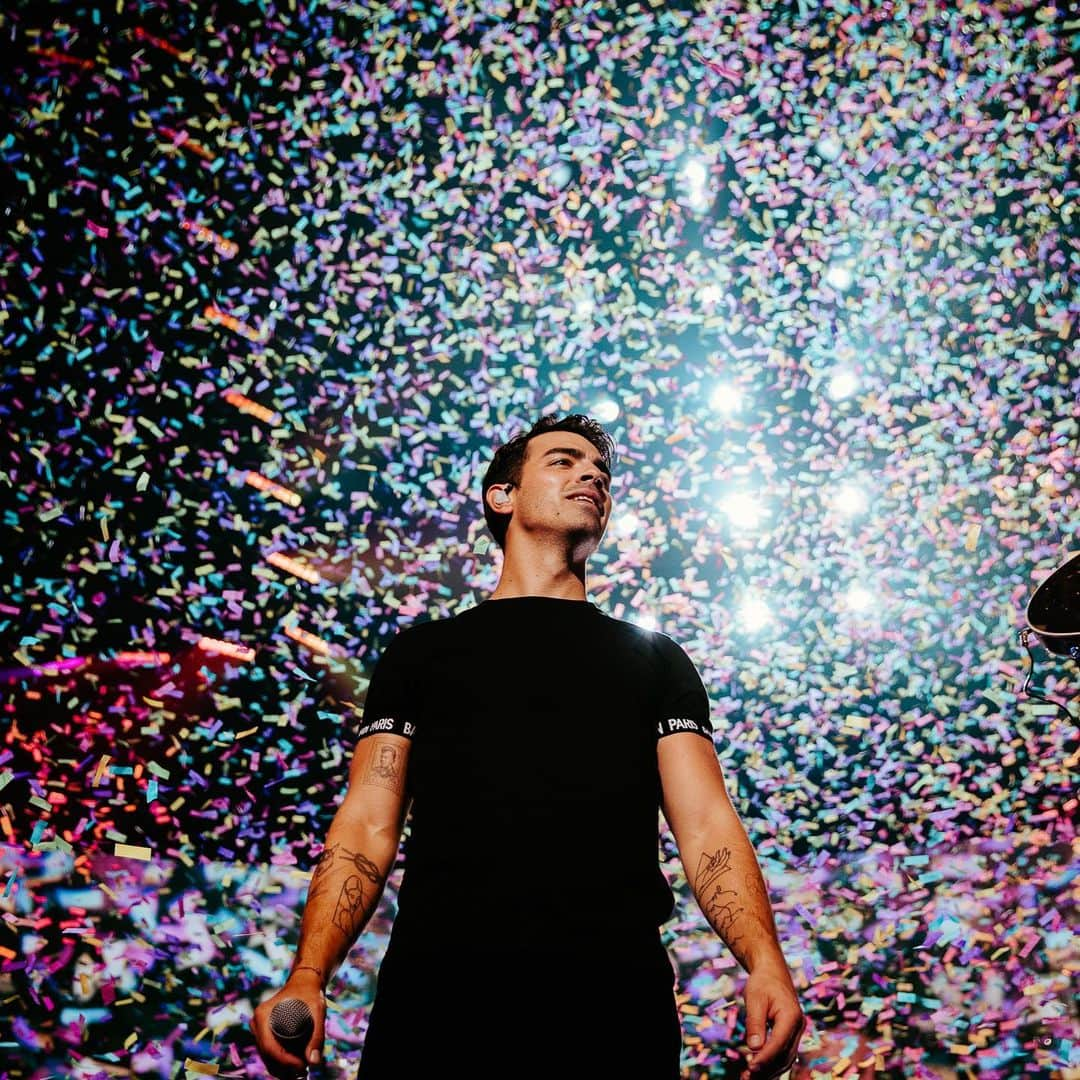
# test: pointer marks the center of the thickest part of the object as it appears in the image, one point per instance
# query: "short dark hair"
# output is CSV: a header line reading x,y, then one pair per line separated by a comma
x,y
506,465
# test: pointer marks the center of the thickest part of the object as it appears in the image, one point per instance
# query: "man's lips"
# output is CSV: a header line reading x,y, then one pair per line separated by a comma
x,y
584,495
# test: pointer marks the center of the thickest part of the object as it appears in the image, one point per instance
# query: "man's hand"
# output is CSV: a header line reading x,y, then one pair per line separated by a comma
x,y
771,1004
279,1062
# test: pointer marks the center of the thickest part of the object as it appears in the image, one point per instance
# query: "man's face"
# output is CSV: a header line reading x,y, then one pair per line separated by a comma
x,y
559,467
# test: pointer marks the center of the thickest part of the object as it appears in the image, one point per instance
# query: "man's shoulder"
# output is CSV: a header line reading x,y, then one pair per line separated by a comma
x,y
662,653
432,628
638,633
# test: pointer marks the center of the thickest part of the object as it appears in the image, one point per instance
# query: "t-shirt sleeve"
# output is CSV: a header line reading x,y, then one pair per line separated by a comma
x,y
388,707
684,701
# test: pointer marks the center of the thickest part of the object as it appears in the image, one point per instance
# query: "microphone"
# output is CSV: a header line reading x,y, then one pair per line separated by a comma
x,y
291,1023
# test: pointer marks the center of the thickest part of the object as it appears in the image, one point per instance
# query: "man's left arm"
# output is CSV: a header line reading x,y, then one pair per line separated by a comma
x,y
723,872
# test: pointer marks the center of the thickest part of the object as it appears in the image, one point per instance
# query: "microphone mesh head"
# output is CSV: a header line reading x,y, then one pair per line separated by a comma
x,y
291,1019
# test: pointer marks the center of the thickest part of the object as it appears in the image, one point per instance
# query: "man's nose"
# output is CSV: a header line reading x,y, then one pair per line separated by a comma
x,y
594,476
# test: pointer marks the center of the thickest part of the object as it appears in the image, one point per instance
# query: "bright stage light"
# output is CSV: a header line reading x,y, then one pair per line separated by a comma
x,y
645,620
829,147
626,525
743,509
699,199
849,500
754,613
843,384
605,411
839,276
695,178
695,172
711,294
859,598
584,306
726,398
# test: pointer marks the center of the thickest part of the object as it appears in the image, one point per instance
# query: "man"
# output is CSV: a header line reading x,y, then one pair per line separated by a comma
x,y
535,738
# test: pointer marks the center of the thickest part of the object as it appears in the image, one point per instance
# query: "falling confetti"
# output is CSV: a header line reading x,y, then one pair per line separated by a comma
x,y
278,281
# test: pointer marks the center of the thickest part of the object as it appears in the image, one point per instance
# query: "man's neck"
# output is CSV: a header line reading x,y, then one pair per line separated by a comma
x,y
542,569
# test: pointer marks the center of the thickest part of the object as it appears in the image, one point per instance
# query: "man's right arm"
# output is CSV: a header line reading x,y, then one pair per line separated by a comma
x,y
361,845
348,880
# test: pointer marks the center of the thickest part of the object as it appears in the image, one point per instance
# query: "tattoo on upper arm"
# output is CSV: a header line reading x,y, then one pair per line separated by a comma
x,y
384,767
718,903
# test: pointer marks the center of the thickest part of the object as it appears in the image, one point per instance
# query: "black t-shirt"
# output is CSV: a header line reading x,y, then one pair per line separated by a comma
x,y
533,771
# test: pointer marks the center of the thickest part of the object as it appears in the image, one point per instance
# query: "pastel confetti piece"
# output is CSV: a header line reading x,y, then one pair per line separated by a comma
x,y
132,851
203,1068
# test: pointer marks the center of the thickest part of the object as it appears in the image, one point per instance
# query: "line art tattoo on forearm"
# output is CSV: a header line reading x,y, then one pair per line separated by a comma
x,y
354,897
321,873
718,903
358,892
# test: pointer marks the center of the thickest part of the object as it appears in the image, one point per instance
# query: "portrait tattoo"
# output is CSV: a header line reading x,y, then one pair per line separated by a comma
x,y
718,903
384,767
355,897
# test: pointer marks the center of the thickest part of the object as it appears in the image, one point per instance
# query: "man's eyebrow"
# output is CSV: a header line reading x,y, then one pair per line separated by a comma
x,y
575,453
